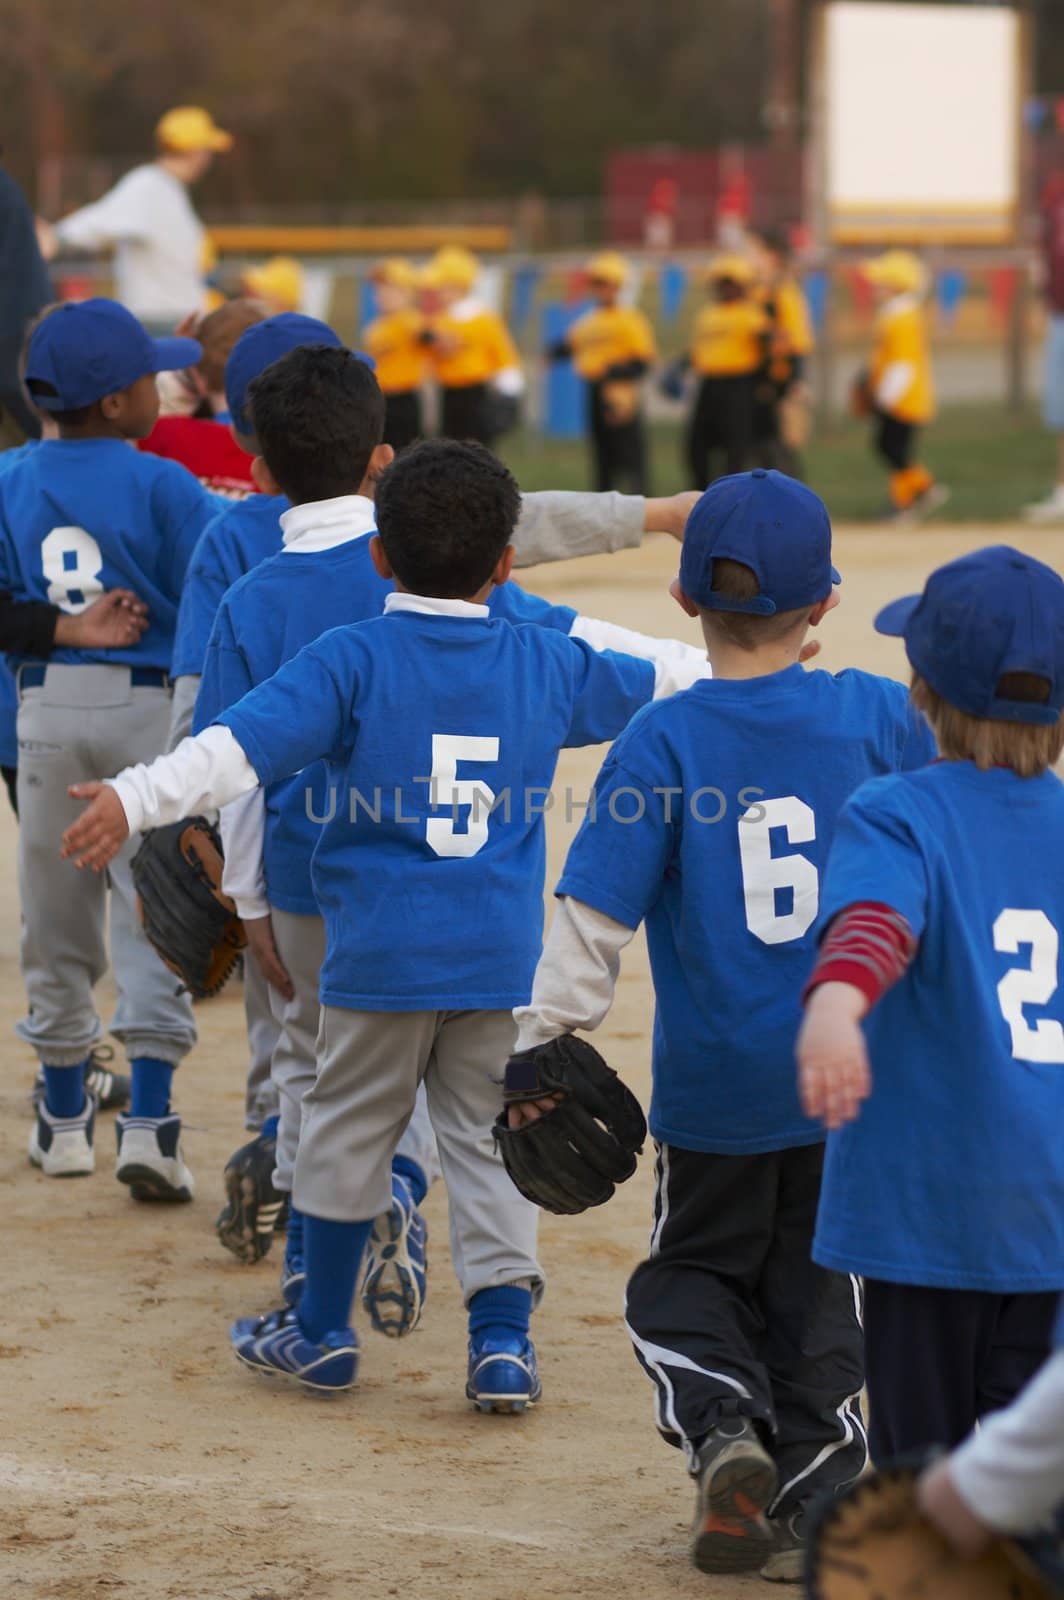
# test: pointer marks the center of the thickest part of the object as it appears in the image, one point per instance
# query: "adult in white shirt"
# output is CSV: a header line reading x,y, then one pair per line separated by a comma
x,y
148,218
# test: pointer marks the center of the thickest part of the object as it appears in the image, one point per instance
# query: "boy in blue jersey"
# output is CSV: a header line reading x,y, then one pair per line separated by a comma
x,y
441,725
711,822
79,515
942,913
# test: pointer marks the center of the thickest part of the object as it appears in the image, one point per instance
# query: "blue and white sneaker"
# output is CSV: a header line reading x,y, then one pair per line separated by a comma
x,y
393,1290
276,1345
62,1146
150,1159
503,1375
293,1277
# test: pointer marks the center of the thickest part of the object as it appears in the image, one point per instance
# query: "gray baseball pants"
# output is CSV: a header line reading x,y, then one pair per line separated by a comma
x,y
370,1064
87,722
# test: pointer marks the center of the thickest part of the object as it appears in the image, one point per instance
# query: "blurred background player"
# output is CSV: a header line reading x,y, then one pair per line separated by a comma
x,y
729,346
612,348
79,514
898,389
161,247
933,1040
1051,509
278,283
781,400
474,359
395,342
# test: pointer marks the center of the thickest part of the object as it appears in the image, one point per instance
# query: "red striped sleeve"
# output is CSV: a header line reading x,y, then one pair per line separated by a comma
x,y
869,946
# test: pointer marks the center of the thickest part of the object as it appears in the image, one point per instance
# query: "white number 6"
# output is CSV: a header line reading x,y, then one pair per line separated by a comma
x,y
448,789
1033,986
764,873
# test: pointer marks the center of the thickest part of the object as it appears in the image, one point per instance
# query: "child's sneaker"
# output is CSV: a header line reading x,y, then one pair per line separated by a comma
x,y
786,1564
503,1375
736,1482
393,1291
248,1221
150,1159
62,1146
277,1346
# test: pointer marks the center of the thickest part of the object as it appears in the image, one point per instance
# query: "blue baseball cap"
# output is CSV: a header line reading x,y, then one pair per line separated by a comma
x,y
90,348
772,524
988,614
260,346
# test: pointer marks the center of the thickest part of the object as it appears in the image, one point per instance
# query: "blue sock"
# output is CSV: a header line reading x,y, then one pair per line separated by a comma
x,y
504,1310
269,1128
333,1253
293,1244
150,1095
414,1175
64,1090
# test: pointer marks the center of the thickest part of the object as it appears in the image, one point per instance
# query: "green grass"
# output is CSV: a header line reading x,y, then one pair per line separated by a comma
x,y
993,460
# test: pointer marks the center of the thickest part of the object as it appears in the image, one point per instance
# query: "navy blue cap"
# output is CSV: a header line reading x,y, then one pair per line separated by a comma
x,y
90,348
772,524
988,614
263,344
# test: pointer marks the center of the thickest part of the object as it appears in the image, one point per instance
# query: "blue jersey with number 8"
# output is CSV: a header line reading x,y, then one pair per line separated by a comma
x,y
953,1174
78,517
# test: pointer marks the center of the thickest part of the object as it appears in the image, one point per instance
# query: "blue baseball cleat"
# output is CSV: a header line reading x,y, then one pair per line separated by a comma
x,y
276,1345
503,1375
393,1291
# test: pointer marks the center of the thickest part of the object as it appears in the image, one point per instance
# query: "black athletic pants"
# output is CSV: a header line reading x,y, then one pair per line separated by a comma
x,y
466,414
720,436
895,441
618,451
939,1359
402,418
769,448
730,1315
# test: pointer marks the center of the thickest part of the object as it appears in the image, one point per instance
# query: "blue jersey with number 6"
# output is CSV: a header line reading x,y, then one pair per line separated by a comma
x,y
81,516
712,820
953,1174
441,731
286,603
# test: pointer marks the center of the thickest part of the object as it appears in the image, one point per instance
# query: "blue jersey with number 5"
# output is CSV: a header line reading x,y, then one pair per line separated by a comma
x,y
953,1174
81,516
441,732
712,820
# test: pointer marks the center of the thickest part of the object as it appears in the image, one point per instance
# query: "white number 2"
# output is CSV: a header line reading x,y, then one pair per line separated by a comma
x,y
72,563
764,873
448,789
1033,986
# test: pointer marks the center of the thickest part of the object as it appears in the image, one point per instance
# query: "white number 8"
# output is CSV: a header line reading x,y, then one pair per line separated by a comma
x,y
1033,986
72,563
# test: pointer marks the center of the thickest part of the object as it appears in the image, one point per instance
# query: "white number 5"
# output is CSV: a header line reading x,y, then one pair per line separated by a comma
x,y
448,789
1033,986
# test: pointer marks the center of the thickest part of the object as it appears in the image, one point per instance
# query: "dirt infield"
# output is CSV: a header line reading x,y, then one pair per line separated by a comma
x,y
137,1459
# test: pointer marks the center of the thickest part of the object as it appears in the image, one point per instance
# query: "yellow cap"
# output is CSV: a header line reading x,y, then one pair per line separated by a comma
x,y
899,270
734,266
607,267
279,280
453,267
188,128
396,272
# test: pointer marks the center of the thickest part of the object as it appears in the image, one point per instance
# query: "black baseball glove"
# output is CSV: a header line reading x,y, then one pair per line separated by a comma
x,y
874,1543
574,1155
191,924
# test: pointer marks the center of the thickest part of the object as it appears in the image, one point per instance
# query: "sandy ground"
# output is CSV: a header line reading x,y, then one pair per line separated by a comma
x,y
138,1459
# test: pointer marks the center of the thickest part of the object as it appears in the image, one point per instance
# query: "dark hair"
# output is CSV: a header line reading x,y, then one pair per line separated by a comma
x,y
318,416
744,629
445,513
39,389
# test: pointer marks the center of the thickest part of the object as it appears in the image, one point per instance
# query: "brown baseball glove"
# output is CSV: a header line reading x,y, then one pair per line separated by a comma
x,y
190,923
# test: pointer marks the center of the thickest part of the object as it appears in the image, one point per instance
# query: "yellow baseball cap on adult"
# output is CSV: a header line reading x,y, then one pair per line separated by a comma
x,y
187,128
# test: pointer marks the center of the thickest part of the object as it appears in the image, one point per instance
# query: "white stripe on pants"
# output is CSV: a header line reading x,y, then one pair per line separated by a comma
x,y
300,942
369,1066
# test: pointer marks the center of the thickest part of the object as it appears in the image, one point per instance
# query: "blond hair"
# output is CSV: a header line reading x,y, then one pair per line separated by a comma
x,y
747,630
1029,748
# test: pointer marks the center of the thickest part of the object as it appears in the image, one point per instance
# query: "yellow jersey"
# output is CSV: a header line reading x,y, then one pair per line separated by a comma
x,y
902,344
793,324
401,358
610,336
472,348
729,339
